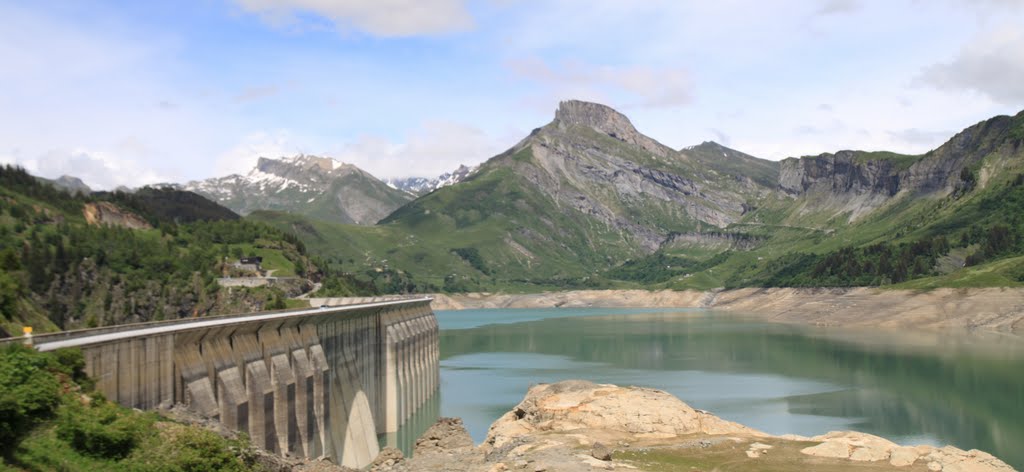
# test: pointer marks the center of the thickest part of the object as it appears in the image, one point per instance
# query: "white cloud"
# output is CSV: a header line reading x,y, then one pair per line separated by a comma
x,y
429,150
917,137
435,147
386,18
832,7
99,170
628,86
242,157
111,101
992,65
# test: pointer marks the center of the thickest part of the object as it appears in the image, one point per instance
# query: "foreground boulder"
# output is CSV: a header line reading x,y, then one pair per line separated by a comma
x,y
608,411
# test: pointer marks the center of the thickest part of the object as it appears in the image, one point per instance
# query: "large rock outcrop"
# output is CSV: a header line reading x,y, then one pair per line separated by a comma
x,y
581,426
842,172
625,412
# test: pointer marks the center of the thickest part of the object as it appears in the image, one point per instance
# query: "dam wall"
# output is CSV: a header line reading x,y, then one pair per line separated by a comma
x,y
323,382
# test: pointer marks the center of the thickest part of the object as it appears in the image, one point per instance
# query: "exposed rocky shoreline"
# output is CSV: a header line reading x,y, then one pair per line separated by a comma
x,y
986,309
581,426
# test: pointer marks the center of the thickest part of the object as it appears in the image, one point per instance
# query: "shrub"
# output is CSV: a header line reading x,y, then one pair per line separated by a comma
x,y
102,429
186,449
29,392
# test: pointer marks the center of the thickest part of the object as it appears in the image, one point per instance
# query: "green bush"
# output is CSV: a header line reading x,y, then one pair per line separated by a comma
x,y
102,429
188,449
29,392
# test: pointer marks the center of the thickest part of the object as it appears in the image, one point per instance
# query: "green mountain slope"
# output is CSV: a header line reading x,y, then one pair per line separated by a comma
x,y
166,204
576,197
856,218
155,254
587,201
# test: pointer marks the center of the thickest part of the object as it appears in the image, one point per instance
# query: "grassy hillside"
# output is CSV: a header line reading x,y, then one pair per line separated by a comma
x,y
916,241
167,205
59,272
545,215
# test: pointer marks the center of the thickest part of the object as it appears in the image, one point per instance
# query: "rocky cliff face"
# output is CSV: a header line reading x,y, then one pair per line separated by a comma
x,y
863,181
591,160
585,190
316,186
108,214
842,172
712,240
605,120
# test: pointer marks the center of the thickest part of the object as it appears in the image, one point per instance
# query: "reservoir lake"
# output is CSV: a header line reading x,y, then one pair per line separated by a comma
x,y
911,387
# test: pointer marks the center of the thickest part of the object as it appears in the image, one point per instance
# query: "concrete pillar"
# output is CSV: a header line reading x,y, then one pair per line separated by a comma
x,y
321,397
127,381
198,392
283,382
167,371
200,398
305,418
233,406
352,423
403,375
421,361
106,364
261,406
391,381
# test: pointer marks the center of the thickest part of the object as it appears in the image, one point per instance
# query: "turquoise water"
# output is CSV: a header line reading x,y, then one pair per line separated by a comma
x,y
918,388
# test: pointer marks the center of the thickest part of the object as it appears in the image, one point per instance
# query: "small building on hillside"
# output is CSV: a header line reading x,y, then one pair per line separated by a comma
x,y
249,264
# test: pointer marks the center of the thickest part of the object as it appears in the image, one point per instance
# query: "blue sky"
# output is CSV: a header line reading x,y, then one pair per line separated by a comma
x,y
127,92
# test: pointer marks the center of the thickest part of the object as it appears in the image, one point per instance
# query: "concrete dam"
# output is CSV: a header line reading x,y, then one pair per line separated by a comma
x,y
326,382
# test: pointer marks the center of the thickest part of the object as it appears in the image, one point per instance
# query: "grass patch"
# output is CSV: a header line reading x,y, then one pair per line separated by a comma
x,y
293,303
1002,273
784,456
273,259
900,161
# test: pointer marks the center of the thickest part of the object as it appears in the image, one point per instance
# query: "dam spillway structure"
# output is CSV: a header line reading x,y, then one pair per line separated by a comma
x,y
323,382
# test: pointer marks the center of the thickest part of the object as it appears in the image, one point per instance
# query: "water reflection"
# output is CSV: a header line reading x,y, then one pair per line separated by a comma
x,y
930,387
405,438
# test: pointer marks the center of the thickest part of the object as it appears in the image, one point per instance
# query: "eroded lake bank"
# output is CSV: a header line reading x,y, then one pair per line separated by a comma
x,y
984,309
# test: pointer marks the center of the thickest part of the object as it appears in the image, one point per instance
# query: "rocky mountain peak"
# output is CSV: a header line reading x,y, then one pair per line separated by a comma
x,y
594,115
419,186
67,183
605,120
317,186
710,145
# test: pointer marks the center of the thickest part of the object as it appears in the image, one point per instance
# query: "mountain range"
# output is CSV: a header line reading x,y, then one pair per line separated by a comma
x,y
419,186
586,200
319,187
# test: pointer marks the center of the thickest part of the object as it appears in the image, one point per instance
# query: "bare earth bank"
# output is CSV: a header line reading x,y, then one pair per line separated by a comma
x,y
988,309
581,426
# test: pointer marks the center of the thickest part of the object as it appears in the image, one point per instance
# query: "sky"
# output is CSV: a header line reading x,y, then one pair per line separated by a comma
x,y
134,93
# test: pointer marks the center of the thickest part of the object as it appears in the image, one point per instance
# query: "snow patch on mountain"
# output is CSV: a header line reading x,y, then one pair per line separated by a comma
x,y
296,183
419,186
